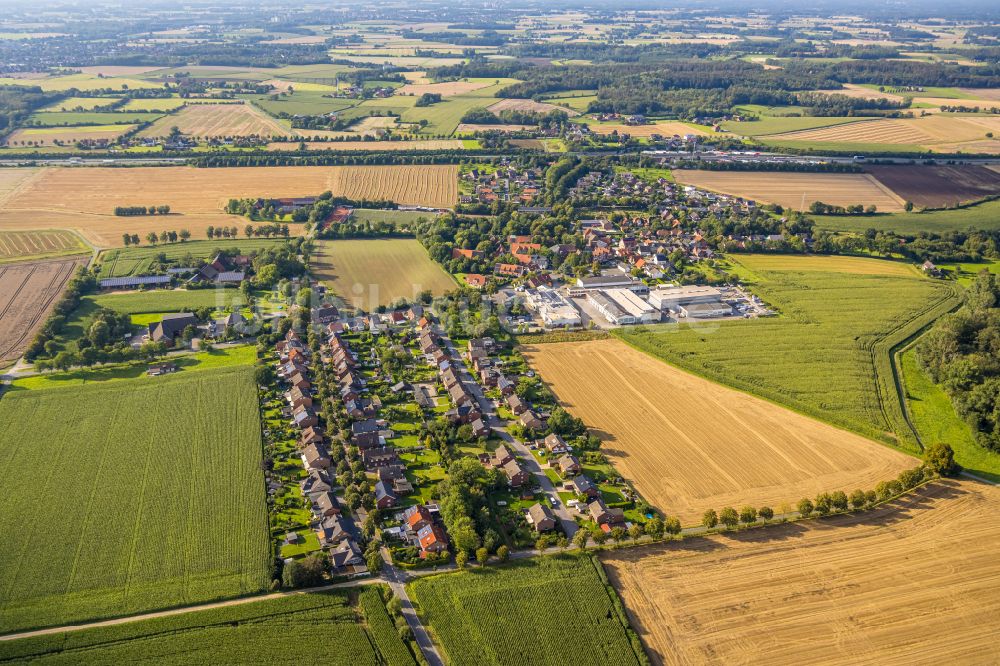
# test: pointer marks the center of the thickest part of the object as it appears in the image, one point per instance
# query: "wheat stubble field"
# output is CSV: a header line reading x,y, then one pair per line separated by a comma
x,y
688,444
84,198
914,582
797,190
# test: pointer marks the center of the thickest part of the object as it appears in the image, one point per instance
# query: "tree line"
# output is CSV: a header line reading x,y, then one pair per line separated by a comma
x,y
131,211
961,353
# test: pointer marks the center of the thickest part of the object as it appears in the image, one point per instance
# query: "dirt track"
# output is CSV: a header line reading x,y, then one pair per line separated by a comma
x,y
912,584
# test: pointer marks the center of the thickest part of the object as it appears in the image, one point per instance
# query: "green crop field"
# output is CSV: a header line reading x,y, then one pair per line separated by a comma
x,y
550,610
83,103
333,628
125,261
400,217
130,496
778,124
299,103
828,353
985,216
369,273
936,420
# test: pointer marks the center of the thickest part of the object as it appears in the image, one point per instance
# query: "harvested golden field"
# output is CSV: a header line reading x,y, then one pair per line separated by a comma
x,y
938,132
368,273
217,120
528,105
475,127
13,179
688,444
861,92
28,290
913,582
448,89
84,198
797,190
663,128
22,245
374,146
67,136
367,126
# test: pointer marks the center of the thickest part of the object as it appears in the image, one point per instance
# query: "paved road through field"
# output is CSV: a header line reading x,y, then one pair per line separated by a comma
x,y
397,582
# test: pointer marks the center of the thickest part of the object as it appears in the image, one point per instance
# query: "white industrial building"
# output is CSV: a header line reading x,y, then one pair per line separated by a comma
x,y
622,307
690,301
616,281
555,311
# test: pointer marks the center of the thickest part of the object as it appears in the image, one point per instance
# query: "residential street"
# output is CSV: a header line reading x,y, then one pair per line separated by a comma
x,y
397,582
527,460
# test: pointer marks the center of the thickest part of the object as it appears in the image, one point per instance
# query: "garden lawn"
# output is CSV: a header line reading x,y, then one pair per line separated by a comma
x,y
829,352
549,610
331,628
130,496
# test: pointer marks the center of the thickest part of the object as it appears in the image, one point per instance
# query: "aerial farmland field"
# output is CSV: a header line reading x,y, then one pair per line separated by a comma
x,y
24,245
939,186
84,199
474,614
688,444
937,132
153,497
912,582
356,628
376,272
827,353
50,136
217,120
797,190
28,291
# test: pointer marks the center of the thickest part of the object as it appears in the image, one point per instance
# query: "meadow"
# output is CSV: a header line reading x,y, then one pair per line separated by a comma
x,y
687,444
121,262
84,199
369,273
331,627
550,610
220,357
153,497
913,581
935,419
828,353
